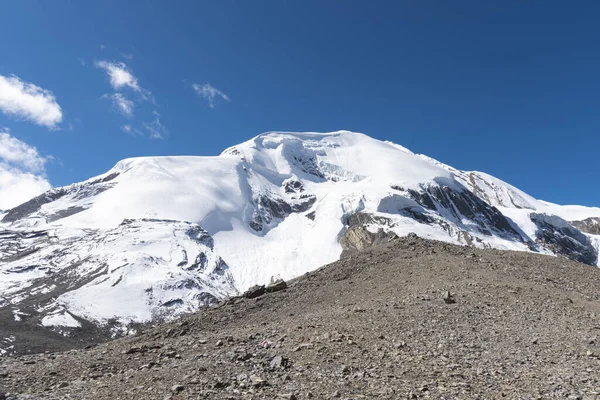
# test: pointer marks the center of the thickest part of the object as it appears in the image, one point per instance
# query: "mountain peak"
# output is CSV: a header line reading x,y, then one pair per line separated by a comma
x,y
275,206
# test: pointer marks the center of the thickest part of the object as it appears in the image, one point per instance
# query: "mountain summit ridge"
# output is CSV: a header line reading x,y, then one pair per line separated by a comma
x,y
275,206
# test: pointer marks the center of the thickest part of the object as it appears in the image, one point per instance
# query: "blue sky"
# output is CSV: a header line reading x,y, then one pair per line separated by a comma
x,y
508,88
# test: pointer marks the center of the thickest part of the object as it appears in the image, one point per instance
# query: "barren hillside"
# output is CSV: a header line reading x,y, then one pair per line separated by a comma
x,y
411,319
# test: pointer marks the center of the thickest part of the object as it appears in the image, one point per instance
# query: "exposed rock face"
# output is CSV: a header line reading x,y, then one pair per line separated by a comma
x,y
458,212
271,209
77,191
33,205
464,204
563,239
254,291
589,225
358,237
491,192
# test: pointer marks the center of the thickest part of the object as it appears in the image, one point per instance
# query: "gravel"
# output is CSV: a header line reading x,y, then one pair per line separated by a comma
x,y
413,319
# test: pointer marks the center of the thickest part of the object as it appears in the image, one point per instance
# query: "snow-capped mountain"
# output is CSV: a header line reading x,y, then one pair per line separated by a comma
x,y
156,237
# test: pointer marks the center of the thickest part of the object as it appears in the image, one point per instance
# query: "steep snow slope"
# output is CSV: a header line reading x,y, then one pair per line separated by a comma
x,y
158,236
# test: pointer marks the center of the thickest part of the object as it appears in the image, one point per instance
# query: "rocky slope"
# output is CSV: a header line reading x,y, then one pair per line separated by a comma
x,y
589,225
98,283
409,319
157,237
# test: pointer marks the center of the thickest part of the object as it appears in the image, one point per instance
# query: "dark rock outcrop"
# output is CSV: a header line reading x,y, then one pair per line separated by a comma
x,y
270,208
276,286
255,291
461,204
563,239
77,191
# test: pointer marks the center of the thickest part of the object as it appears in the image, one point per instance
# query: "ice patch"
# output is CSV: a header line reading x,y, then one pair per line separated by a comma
x,y
61,319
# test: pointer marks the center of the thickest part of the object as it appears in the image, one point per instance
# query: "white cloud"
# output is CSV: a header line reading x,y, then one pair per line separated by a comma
x,y
122,79
210,93
119,75
18,153
123,104
28,101
131,130
22,171
155,128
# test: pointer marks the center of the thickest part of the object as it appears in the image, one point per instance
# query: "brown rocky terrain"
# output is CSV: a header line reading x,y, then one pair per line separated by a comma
x,y
410,319
588,225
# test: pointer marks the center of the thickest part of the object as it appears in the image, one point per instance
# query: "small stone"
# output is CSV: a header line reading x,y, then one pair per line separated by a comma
x,y
132,350
335,395
257,381
345,370
219,384
288,396
448,297
304,346
277,362
177,388
244,356
219,343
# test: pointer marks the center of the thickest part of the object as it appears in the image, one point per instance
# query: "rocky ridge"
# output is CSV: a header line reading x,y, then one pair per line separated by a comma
x,y
409,319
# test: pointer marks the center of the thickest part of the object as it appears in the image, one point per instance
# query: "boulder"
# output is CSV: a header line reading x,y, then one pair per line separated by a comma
x,y
276,286
255,291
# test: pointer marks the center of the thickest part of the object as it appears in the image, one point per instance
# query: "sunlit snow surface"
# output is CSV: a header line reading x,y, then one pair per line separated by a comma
x,y
145,269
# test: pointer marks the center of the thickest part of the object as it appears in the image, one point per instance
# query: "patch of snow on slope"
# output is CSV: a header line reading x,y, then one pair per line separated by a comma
x,y
61,318
140,271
